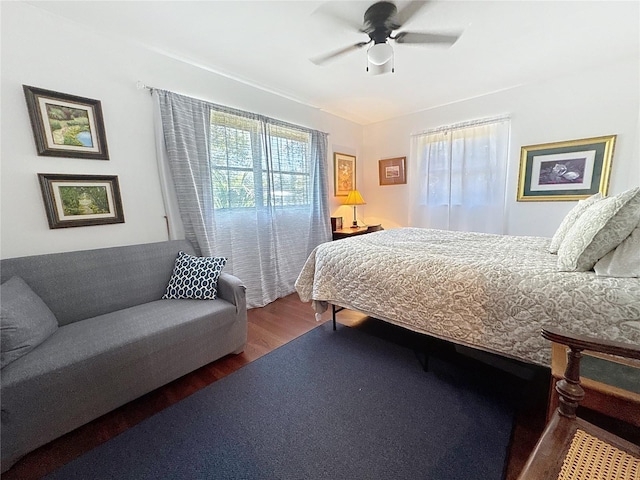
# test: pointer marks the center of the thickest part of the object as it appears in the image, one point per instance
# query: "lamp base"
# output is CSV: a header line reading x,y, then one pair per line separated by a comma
x,y
355,219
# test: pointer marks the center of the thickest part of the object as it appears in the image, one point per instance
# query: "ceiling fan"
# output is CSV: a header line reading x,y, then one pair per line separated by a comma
x,y
381,20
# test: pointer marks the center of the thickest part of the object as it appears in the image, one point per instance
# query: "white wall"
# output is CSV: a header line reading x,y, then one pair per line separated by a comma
x,y
46,51
587,104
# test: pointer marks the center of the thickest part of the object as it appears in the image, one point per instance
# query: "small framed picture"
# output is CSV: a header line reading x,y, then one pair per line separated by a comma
x,y
570,170
81,200
344,172
66,125
392,171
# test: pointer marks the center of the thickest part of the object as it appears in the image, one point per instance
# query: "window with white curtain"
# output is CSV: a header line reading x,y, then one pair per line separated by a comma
x,y
461,175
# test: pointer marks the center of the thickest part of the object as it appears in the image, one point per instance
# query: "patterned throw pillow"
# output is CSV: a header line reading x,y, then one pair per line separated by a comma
x,y
570,219
195,277
600,229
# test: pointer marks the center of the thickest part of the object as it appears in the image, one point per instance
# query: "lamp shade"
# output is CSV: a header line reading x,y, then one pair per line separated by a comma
x,y
380,53
354,198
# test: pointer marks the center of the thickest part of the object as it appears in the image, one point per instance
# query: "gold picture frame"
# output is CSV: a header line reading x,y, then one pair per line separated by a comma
x,y
344,174
392,171
570,170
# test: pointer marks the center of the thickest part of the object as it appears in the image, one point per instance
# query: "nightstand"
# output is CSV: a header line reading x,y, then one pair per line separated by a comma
x,y
352,232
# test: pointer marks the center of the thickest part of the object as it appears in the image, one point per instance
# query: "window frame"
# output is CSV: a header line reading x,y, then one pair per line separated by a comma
x,y
261,159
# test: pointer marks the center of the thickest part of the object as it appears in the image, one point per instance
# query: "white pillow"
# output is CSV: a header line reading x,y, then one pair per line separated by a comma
x,y
624,260
600,229
569,219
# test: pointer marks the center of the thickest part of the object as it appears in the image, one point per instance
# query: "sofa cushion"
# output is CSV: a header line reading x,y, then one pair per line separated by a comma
x,y
25,321
88,368
126,276
195,277
130,335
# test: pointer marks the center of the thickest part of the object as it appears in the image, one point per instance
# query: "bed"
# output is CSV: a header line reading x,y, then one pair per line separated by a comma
x,y
490,292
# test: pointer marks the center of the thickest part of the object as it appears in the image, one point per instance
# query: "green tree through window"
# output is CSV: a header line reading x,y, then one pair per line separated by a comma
x,y
254,164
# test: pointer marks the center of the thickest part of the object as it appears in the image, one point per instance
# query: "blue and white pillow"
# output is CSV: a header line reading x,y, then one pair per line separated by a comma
x,y
195,277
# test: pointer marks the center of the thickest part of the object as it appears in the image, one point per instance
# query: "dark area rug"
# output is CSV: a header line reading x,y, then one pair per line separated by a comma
x,y
328,405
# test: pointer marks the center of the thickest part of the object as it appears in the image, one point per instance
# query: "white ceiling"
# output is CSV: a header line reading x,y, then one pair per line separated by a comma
x,y
268,44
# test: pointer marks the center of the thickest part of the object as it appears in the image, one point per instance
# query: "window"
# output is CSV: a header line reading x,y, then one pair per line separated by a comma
x,y
254,164
249,188
461,175
460,168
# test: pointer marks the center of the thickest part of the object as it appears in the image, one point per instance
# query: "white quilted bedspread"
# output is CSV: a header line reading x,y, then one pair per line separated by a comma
x,y
492,292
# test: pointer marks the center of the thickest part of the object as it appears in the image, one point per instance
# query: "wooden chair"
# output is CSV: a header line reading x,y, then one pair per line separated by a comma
x,y
611,384
570,447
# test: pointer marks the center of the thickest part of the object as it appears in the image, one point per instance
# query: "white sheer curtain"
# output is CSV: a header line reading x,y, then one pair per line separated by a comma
x,y
460,178
249,188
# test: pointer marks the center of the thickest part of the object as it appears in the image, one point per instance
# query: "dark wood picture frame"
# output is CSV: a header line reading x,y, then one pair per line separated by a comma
x,y
66,125
81,200
392,171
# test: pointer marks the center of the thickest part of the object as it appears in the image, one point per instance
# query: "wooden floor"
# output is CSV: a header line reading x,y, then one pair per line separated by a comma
x,y
269,328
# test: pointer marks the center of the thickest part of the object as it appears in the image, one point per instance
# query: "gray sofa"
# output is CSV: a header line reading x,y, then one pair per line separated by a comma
x,y
116,339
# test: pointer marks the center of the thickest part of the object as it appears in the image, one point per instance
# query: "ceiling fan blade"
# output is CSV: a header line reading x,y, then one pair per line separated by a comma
x,y
327,57
339,17
408,11
418,37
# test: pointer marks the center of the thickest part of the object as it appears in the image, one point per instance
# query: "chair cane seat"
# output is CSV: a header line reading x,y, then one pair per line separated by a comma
x,y
570,448
590,458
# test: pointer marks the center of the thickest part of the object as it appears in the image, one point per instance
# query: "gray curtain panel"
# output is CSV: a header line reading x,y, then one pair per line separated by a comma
x,y
185,124
249,188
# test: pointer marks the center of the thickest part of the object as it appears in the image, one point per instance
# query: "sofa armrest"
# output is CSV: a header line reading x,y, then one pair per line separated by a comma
x,y
231,289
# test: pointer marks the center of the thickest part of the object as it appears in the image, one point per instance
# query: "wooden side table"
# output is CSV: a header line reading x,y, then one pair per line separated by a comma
x,y
351,232
611,384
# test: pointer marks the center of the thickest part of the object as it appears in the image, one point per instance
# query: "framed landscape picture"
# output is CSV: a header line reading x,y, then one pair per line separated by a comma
x,y
344,171
81,200
392,171
570,170
66,125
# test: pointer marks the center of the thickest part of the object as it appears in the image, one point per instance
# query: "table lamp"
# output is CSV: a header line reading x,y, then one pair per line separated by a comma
x,y
354,198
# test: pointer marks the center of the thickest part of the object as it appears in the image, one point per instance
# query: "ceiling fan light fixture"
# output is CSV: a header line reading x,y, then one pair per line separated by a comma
x,y
380,69
380,53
